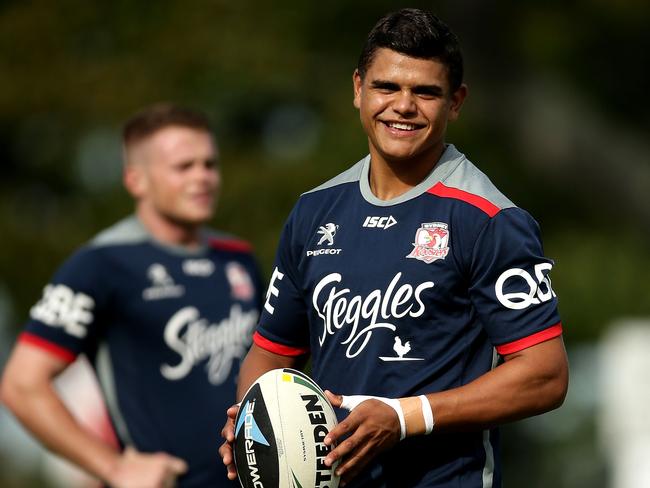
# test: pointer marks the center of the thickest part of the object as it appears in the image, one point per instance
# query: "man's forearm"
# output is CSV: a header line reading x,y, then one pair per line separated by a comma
x,y
43,413
257,362
527,383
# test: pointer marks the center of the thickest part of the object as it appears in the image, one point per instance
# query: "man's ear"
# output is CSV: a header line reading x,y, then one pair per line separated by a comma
x,y
457,99
357,82
134,179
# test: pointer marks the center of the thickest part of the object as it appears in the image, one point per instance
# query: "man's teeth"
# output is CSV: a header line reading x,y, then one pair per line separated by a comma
x,y
401,126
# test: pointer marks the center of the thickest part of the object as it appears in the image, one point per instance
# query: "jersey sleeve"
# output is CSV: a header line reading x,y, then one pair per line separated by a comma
x,y
65,320
510,283
283,327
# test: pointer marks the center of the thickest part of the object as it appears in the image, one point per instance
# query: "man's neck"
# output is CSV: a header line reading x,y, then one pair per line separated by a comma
x,y
390,179
168,231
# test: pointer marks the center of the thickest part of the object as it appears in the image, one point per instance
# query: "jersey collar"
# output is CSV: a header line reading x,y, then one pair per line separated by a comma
x,y
447,163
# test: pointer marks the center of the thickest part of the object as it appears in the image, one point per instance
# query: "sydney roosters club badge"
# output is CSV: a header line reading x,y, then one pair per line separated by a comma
x,y
241,284
431,242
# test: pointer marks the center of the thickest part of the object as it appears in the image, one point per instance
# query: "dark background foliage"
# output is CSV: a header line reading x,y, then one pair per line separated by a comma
x,y
556,115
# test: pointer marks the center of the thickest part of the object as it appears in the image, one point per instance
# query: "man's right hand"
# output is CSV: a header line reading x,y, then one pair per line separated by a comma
x,y
257,362
228,433
136,469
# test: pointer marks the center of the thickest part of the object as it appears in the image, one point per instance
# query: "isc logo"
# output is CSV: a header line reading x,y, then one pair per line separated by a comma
x,y
380,222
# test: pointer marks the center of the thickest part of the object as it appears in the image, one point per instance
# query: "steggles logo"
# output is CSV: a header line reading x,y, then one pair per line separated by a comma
x,y
195,340
340,309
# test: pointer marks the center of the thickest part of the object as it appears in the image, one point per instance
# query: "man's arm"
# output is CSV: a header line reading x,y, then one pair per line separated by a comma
x,y
257,362
529,382
27,390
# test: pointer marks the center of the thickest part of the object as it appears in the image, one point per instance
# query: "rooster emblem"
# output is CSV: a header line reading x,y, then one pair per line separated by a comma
x,y
401,349
327,231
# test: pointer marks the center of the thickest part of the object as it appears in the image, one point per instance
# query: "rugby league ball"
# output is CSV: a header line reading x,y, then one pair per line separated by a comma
x,y
279,432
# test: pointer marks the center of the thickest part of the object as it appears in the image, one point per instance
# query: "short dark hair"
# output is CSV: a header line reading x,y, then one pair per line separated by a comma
x,y
160,115
418,34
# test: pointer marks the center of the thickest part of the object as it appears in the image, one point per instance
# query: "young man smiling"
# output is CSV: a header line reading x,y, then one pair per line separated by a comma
x,y
404,104
435,317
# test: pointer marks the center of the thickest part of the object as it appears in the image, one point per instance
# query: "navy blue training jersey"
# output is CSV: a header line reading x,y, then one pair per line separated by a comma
x,y
166,330
409,296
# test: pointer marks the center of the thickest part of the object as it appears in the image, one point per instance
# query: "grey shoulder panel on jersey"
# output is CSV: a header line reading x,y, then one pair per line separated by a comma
x,y
127,231
131,231
453,170
210,233
350,175
448,161
467,177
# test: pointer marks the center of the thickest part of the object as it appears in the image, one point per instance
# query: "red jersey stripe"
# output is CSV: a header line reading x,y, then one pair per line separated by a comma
x,y
276,348
48,346
441,190
520,344
231,245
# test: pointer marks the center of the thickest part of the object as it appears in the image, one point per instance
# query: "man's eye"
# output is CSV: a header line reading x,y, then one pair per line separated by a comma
x,y
385,87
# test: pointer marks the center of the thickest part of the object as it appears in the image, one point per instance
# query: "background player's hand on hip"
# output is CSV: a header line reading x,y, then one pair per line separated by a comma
x,y
147,470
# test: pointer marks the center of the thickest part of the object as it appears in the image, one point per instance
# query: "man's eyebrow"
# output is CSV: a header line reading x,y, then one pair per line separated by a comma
x,y
385,84
435,90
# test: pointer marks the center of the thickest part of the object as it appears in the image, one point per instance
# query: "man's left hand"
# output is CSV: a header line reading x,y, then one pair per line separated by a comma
x,y
373,427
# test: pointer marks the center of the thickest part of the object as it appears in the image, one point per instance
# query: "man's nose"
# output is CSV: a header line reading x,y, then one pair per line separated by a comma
x,y
405,102
206,172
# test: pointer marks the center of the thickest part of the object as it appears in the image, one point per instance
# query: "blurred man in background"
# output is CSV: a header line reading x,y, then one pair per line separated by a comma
x,y
420,291
162,306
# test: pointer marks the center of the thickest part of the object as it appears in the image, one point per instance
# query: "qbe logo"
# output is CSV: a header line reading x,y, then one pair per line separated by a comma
x,y
63,307
539,288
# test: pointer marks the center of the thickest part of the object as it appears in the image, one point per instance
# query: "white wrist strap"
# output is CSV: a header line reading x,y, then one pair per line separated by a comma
x,y
427,413
350,402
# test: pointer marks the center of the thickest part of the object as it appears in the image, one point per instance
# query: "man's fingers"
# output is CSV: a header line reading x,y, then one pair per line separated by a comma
x,y
225,451
130,452
353,463
343,449
228,431
232,472
348,424
353,454
227,457
177,465
346,446
335,400
342,427
232,411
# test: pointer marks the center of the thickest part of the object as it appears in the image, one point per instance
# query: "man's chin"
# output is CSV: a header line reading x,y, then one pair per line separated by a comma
x,y
194,219
408,154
